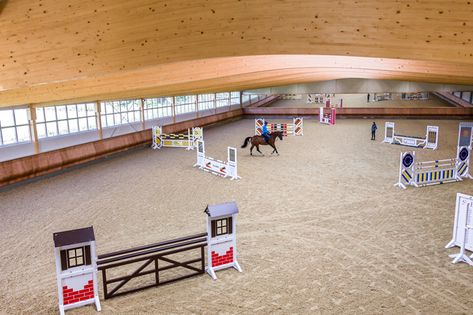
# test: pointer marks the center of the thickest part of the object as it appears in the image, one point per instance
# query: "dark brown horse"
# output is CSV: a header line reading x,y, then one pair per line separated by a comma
x,y
257,140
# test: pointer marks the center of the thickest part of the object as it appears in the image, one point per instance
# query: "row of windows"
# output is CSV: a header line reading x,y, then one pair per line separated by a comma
x,y
58,120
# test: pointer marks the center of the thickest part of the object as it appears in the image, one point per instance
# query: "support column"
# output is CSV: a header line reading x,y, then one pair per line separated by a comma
x,y
215,103
33,129
241,99
98,117
174,109
197,105
142,113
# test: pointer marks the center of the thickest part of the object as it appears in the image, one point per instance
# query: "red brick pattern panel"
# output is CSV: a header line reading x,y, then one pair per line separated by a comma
x,y
70,296
218,260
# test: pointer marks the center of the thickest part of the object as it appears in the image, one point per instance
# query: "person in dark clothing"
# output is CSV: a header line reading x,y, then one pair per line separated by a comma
x,y
373,131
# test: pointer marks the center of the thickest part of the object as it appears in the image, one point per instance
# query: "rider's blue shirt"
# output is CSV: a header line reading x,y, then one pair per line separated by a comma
x,y
265,129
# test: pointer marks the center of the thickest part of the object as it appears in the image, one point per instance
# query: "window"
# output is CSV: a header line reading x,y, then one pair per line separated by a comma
x,y
185,104
65,119
75,257
221,227
158,107
14,126
223,99
120,112
206,101
235,98
246,99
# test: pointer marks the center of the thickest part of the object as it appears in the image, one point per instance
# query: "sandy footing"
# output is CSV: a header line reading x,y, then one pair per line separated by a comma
x,y
321,228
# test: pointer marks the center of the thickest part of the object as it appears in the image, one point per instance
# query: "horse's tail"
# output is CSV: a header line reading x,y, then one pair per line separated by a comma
x,y
247,139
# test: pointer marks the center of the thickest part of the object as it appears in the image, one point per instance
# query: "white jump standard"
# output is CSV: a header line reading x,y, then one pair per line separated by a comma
x,y
187,141
430,141
76,269
462,229
419,174
294,129
217,167
328,119
221,238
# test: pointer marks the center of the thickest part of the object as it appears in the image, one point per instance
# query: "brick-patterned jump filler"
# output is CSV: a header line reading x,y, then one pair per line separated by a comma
x,y
77,263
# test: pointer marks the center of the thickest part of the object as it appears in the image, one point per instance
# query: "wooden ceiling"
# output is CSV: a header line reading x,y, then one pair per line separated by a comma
x,y
53,51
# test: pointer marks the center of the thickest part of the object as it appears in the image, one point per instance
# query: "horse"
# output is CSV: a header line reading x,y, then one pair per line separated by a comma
x,y
257,140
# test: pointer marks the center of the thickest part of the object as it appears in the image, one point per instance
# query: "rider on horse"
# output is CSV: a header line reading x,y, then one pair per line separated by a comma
x,y
265,132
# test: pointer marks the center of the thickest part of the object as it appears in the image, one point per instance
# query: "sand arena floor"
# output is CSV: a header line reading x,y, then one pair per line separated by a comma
x,y
321,228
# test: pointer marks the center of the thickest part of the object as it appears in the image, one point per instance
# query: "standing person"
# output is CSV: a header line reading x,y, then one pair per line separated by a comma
x,y
265,132
368,100
373,131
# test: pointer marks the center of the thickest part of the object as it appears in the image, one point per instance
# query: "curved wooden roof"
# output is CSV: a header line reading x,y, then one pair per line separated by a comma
x,y
57,50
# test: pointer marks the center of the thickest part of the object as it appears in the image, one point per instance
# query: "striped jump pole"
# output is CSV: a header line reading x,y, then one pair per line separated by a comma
x,y
420,174
181,140
296,128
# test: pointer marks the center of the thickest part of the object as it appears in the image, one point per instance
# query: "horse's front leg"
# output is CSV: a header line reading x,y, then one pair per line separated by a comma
x,y
251,149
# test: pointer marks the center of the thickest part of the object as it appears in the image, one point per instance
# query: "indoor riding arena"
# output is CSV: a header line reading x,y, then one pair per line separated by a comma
x,y
236,157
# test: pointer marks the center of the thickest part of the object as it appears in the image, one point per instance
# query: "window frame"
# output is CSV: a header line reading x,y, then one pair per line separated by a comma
x,y
16,126
205,102
68,119
227,225
153,107
75,257
115,114
185,104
